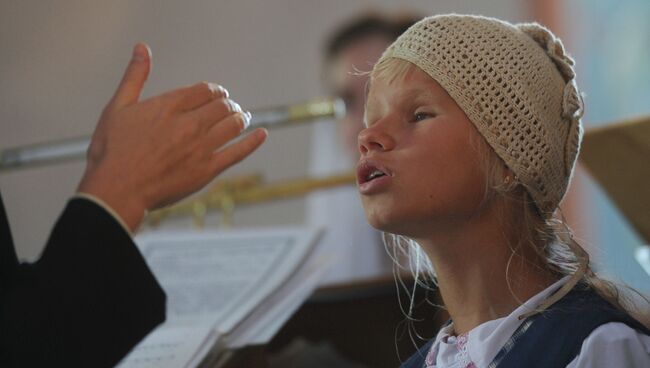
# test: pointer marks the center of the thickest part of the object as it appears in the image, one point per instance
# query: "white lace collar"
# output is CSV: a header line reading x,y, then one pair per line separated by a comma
x,y
479,346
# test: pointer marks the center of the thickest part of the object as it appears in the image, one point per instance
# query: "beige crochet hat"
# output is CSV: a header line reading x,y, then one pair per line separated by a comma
x,y
515,83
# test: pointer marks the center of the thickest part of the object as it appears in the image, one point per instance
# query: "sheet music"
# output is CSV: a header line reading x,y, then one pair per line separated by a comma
x,y
222,275
214,281
267,319
171,346
199,280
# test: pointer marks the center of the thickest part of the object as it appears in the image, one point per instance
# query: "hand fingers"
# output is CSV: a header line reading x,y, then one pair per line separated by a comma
x,y
135,76
238,151
223,159
192,97
226,130
214,112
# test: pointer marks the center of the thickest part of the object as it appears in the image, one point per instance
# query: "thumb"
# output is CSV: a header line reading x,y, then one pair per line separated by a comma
x,y
135,76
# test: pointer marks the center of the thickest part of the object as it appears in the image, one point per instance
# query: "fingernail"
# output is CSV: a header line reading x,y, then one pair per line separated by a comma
x,y
263,133
218,89
234,106
140,52
246,119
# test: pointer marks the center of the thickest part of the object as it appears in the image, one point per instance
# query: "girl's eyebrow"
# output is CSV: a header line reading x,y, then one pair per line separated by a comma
x,y
413,95
418,93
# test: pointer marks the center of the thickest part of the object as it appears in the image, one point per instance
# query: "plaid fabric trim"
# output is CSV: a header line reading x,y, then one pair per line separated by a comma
x,y
510,343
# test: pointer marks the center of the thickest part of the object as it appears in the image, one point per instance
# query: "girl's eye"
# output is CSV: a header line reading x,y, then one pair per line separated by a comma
x,y
422,116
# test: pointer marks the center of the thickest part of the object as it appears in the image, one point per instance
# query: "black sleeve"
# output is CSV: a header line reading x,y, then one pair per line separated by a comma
x,y
86,302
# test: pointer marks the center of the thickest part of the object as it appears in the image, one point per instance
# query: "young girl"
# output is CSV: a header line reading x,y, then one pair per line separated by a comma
x,y
472,132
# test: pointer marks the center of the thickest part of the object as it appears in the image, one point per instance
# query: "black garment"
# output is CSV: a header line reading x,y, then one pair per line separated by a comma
x,y
554,337
85,303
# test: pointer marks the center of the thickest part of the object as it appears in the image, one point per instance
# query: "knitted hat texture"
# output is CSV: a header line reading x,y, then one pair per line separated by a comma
x,y
517,86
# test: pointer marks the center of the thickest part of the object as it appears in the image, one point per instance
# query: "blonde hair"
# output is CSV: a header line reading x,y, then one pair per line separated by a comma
x,y
550,239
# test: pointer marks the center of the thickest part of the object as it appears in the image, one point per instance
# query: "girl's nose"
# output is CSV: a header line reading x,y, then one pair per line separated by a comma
x,y
374,139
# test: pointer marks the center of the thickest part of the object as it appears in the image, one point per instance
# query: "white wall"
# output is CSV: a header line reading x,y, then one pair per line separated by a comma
x,y
61,60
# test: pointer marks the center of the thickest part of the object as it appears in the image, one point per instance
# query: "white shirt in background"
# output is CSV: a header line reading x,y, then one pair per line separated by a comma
x,y
357,247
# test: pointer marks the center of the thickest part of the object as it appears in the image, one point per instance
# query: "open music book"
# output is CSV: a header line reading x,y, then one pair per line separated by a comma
x,y
225,290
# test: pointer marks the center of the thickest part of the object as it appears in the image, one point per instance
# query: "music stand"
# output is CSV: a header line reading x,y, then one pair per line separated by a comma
x,y
618,157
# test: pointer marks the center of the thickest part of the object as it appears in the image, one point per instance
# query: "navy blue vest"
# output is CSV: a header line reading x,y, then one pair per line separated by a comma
x,y
552,338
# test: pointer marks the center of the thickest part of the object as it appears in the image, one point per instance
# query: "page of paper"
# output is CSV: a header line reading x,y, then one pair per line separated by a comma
x,y
223,275
171,346
213,281
267,319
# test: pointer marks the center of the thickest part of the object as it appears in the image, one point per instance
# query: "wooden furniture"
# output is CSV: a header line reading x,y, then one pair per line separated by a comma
x,y
362,321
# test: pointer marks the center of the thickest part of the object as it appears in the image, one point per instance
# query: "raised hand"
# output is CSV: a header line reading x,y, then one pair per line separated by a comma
x,y
146,154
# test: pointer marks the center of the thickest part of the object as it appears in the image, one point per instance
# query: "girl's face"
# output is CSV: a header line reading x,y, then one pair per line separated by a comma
x,y
418,171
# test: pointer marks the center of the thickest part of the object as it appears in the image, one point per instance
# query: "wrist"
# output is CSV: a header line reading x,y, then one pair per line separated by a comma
x,y
120,198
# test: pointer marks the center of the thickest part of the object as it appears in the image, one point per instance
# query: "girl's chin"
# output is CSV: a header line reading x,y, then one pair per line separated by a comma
x,y
390,219
386,225
378,224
